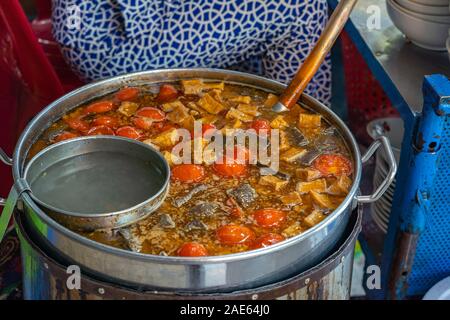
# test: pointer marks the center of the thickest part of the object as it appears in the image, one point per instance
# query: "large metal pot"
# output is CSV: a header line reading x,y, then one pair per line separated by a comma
x,y
205,274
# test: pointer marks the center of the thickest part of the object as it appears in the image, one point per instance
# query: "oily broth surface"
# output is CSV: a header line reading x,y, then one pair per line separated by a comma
x,y
155,239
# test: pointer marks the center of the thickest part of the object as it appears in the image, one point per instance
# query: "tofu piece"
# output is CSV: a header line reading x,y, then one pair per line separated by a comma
x,y
291,198
314,218
293,230
236,124
178,114
270,100
170,106
279,122
209,119
322,200
296,110
306,120
308,174
341,186
292,154
214,86
284,141
171,158
273,181
194,86
197,86
239,115
210,104
166,139
241,99
128,108
318,186
248,109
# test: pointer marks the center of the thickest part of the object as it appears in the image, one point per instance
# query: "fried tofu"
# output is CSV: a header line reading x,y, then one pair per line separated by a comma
x,y
322,200
291,199
171,158
314,218
248,109
284,141
309,120
318,186
341,186
293,230
279,122
308,174
210,104
170,106
239,115
194,86
241,99
209,119
178,114
166,139
270,100
273,181
128,108
292,154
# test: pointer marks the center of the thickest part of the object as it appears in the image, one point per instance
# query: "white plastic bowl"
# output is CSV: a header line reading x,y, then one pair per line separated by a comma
x,y
422,16
448,46
432,2
424,9
424,33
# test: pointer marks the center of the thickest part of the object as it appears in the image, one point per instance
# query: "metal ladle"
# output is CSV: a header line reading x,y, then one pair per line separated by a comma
x,y
337,21
94,182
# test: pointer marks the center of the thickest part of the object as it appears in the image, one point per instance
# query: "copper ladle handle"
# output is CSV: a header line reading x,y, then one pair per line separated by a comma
x,y
317,55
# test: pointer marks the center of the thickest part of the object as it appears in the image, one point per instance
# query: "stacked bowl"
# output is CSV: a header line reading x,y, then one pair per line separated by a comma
x,y
425,22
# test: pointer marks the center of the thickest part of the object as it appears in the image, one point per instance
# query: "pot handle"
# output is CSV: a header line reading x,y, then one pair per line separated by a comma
x,y
8,161
380,141
17,189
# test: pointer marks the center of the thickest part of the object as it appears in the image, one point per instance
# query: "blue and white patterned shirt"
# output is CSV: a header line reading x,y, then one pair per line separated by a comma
x,y
103,38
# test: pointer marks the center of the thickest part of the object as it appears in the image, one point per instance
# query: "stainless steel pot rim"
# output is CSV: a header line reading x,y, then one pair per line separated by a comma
x,y
106,214
197,260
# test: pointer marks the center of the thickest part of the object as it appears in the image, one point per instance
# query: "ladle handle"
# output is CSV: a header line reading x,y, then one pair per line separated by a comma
x,y
323,46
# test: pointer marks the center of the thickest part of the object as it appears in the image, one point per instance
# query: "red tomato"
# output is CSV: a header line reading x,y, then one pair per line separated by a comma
x,y
269,217
109,121
163,126
77,124
128,132
151,113
266,240
231,234
234,167
127,94
99,107
188,172
192,249
260,124
333,165
167,93
100,130
66,135
143,123
230,169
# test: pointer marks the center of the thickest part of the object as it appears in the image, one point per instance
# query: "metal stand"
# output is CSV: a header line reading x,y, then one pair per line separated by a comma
x,y
416,250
